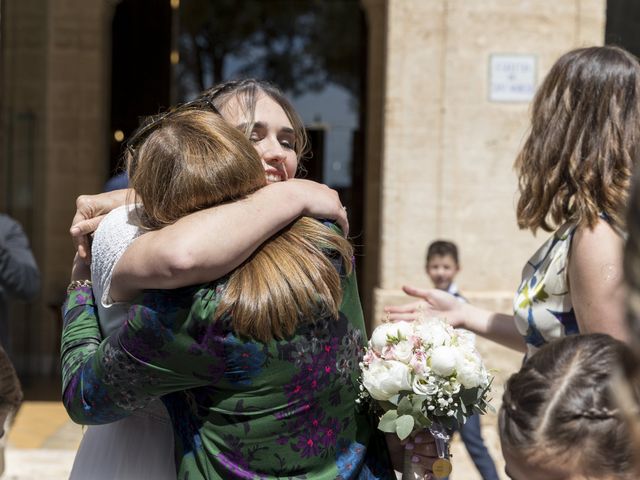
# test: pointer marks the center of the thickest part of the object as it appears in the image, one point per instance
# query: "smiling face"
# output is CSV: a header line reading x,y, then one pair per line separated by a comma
x,y
442,269
271,133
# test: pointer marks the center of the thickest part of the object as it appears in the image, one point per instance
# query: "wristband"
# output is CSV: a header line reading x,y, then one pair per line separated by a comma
x,y
78,284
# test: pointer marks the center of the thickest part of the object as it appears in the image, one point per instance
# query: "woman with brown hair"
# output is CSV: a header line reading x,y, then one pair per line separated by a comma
x,y
574,173
258,369
128,259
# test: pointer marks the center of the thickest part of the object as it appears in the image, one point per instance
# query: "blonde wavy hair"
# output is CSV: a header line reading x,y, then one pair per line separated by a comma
x,y
577,160
191,159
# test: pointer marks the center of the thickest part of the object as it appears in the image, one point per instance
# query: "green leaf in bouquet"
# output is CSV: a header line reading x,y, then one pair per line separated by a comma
x,y
489,408
388,421
484,391
386,406
404,426
417,402
422,420
463,408
393,339
404,406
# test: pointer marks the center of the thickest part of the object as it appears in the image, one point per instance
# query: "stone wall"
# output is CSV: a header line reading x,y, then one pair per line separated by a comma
x,y
54,124
448,152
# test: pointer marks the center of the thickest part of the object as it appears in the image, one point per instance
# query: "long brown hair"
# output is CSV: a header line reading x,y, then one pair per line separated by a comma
x,y
561,409
577,160
192,159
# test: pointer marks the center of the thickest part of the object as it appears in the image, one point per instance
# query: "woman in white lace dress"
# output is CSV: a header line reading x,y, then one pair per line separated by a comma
x,y
197,248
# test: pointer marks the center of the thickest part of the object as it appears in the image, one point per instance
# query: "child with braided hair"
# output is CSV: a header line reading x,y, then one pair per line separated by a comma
x,y
560,417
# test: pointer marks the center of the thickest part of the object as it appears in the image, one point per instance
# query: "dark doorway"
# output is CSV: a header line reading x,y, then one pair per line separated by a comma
x,y
623,25
140,67
314,50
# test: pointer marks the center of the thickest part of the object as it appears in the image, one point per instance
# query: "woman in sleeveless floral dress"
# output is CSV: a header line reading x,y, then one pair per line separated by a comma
x,y
574,173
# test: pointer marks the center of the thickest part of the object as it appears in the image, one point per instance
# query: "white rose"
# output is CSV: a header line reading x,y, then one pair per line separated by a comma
x,y
394,329
405,329
404,351
469,371
433,332
431,388
379,337
386,378
443,361
420,386
466,338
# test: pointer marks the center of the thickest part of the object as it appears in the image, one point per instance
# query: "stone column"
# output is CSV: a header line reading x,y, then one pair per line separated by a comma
x,y
376,26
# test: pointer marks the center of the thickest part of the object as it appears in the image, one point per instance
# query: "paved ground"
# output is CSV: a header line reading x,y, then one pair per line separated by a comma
x,y
43,441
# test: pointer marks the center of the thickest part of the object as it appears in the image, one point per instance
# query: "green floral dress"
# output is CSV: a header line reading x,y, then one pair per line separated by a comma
x,y
239,408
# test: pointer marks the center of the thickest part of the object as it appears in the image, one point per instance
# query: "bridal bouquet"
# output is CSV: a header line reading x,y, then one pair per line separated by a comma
x,y
425,375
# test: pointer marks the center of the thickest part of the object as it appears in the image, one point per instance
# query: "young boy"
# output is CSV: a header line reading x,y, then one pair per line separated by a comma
x,y
442,265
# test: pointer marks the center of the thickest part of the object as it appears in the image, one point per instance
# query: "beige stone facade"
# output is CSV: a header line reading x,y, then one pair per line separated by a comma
x,y
446,166
440,154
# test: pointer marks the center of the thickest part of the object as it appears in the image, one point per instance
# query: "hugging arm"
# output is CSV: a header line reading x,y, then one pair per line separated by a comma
x,y
210,243
105,380
90,210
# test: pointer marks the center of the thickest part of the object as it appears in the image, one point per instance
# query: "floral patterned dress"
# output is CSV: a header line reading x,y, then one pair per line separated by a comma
x,y
239,408
542,306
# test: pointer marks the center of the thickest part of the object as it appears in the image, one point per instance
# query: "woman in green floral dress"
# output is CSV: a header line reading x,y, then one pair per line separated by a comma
x,y
258,370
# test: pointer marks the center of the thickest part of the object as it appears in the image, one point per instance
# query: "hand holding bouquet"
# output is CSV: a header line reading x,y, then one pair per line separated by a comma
x,y
425,375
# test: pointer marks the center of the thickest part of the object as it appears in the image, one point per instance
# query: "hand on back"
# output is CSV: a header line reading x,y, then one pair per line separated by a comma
x,y
320,201
90,210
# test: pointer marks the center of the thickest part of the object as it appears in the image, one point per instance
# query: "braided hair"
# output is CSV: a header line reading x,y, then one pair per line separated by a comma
x,y
561,407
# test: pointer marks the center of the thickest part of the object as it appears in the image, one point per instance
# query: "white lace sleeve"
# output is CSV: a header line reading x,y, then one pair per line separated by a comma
x,y
113,236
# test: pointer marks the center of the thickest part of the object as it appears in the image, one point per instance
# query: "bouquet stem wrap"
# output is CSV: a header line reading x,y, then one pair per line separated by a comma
x,y
411,471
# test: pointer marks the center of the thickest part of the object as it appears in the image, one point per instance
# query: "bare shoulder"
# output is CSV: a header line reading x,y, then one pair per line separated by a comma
x,y
596,280
597,251
600,241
